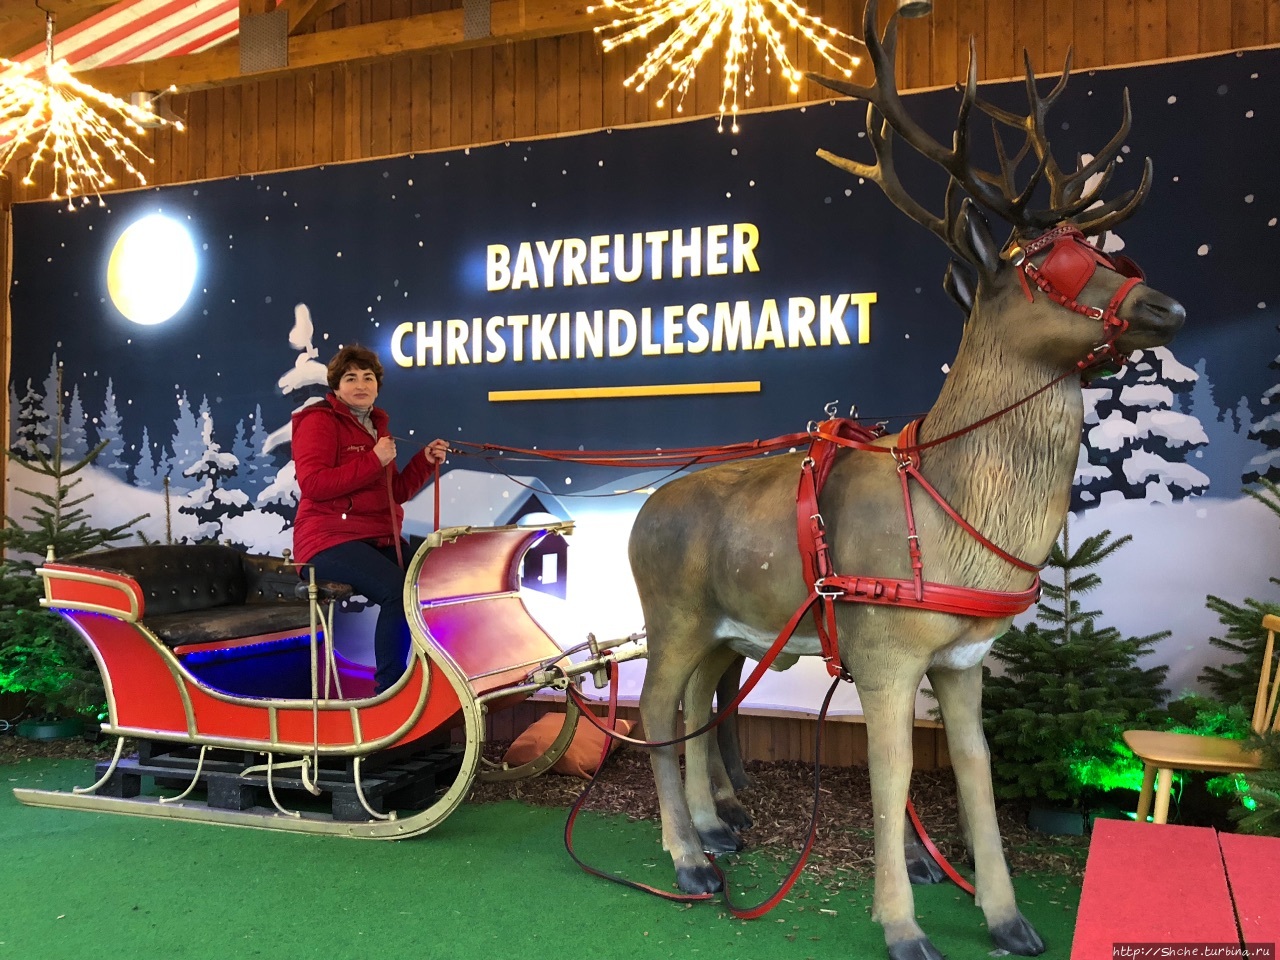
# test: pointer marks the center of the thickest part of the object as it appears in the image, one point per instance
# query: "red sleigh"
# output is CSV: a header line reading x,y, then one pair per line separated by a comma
x,y
228,683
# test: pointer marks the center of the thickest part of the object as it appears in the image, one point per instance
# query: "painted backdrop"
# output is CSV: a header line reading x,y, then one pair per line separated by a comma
x,y
743,269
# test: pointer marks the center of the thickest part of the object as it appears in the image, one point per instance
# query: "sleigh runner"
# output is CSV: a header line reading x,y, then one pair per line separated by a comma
x,y
172,629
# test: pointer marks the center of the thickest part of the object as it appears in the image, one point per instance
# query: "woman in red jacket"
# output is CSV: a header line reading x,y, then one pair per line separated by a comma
x,y
349,516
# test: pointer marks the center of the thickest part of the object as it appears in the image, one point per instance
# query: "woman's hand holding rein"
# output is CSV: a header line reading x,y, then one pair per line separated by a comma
x,y
385,449
436,451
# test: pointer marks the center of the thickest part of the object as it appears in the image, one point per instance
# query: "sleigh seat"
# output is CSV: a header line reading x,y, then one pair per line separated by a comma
x,y
239,622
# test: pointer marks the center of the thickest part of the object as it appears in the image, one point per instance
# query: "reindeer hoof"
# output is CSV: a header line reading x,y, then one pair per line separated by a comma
x,y
719,840
922,868
734,814
918,949
702,879
1018,937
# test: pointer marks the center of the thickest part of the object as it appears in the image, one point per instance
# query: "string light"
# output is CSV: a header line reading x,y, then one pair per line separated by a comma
x,y
696,25
58,115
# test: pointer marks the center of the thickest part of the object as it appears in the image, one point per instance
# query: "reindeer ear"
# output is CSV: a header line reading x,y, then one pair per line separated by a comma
x,y
973,237
959,285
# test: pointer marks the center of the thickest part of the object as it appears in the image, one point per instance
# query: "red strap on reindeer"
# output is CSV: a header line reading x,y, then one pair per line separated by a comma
x,y
1071,263
916,593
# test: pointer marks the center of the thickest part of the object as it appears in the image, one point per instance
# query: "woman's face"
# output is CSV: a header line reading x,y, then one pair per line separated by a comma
x,y
358,387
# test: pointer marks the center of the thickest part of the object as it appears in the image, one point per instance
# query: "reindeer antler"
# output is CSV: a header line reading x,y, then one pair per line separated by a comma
x,y
996,192
1067,196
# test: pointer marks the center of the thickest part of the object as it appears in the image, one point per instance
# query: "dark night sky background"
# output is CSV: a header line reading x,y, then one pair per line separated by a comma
x,y
412,233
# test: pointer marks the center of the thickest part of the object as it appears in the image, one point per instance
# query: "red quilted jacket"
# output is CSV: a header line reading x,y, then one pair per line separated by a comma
x,y
344,487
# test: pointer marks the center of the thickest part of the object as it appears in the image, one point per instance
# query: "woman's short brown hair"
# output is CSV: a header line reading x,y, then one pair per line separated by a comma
x,y
353,355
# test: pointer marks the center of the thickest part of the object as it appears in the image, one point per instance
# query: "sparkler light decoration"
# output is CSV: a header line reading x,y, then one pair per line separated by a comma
x,y
696,25
57,114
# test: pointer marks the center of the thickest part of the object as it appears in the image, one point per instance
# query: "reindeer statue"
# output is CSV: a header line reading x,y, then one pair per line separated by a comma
x,y
1002,441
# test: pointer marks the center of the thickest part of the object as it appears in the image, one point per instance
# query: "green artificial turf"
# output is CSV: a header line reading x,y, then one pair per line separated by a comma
x,y
492,881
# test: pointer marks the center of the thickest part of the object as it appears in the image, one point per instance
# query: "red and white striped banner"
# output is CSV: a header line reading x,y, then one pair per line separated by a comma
x,y
135,30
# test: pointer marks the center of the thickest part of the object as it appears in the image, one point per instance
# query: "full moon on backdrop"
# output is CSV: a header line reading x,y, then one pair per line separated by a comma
x,y
151,270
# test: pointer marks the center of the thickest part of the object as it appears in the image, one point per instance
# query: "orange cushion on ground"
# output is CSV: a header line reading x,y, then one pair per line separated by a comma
x,y
583,756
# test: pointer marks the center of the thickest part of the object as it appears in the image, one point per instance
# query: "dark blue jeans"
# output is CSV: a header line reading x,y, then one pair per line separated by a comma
x,y
374,573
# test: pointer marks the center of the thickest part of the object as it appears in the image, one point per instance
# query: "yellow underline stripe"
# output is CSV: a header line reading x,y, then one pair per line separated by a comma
x,y
646,390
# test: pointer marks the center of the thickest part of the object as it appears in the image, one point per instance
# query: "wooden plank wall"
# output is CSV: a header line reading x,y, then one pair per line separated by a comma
x,y
776,735
566,84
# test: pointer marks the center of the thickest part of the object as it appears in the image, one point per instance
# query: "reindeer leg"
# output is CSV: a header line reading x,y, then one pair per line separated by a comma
x,y
921,867
727,732
672,662
959,694
888,702
706,784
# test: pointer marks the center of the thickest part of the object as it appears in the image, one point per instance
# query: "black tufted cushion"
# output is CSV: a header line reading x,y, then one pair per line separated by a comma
x,y
268,579
175,579
206,592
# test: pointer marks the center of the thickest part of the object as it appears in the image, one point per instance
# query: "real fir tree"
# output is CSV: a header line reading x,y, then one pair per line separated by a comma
x,y
1236,682
1070,687
1261,811
39,654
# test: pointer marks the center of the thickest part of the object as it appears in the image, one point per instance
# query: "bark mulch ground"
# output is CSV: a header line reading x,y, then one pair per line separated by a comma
x,y
780,801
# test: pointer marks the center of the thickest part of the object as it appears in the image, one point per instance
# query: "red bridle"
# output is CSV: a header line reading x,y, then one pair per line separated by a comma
x,y
1071,264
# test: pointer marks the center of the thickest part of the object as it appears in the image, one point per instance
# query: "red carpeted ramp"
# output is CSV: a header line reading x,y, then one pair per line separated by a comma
x,y
1253,870
1152,884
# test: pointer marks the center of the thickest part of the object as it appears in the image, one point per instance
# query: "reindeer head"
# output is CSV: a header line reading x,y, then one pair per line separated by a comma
x,y
1086,307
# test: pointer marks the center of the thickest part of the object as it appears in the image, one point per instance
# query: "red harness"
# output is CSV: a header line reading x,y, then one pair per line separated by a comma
x,y
917,593
1070,265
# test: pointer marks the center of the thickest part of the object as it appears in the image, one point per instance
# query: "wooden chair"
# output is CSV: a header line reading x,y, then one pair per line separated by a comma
x,y
1162,753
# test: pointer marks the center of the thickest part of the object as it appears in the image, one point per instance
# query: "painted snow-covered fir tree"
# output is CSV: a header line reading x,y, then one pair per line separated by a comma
x,y
31,436
1266,430
188,441
247,446
212,502
146,472
308,379
111,435
1226,422
51,400
1136,443
75,436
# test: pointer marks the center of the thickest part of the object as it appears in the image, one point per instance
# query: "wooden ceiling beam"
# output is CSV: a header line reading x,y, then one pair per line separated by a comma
x,y
25,11
22,22
510,21
303,14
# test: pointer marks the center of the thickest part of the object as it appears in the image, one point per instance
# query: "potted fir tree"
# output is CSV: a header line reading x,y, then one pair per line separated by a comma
x,y
1070,686
40,656
1235,684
